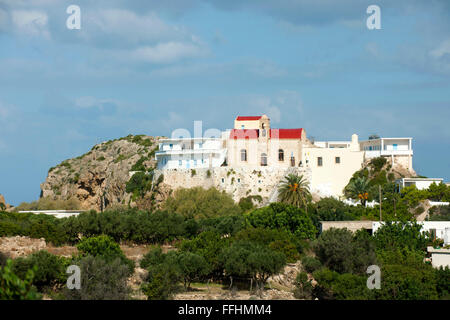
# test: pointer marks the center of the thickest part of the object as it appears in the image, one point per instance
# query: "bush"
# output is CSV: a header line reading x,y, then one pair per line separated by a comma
x,y
392,235
163,276
200,203
245,259
443,282
101,280
341,251
209,245
377,163
285,217
105,248
226,225
14,288
277,240
192,267
332,285
50,269
161,282
311,264
303,286
48,203
403,282
139,184
33,225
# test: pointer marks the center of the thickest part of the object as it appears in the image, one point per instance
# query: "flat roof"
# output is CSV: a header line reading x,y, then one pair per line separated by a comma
x,y
404,138
420,179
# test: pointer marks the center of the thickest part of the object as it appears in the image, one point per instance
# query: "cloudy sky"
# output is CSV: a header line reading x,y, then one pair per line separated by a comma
x,y
148,67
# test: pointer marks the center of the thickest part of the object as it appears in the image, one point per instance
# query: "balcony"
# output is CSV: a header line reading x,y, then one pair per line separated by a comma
x,y
396,152
188,151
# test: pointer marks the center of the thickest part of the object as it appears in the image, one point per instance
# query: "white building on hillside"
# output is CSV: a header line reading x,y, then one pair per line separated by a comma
x,y
399,150
420,183
253,144
191,153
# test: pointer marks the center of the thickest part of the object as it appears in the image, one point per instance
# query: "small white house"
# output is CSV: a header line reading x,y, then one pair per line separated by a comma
x,y
437,229
420,183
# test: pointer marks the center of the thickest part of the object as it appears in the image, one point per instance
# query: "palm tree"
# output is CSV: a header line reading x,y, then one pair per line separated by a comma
x,y
358,189
294,190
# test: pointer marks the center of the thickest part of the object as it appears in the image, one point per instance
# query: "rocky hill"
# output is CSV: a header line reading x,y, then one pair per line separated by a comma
x,y
98,178
3,204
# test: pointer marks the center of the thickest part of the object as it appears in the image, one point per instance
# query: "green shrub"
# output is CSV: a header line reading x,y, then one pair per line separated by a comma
x,y
139,165
200,203
162,281
209,245
311,264
286,217
14,288
50,269
443,282
139,184
104,247
246,259
341,251
303,286
101,280
392,235
332,285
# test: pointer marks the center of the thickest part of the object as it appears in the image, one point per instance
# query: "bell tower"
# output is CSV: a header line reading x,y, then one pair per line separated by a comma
x,y
263,140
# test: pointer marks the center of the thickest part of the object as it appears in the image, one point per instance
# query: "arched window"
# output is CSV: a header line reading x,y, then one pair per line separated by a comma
x,y
263,159
243,155
280,155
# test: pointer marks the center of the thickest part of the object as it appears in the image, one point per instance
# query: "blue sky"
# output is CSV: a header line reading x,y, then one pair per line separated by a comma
x,y
148,67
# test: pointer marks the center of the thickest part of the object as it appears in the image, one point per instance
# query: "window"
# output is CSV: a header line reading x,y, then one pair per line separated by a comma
x,y
280,155
243,155
239,180
242,126
395,146
263,159
337,160
263,132
180,162
223,180
170,146
195,163
319,161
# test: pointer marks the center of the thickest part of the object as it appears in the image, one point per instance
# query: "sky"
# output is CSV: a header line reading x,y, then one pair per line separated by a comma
x,y
149,67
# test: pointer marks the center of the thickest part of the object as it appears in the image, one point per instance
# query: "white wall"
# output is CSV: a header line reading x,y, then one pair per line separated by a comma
x,y
442,227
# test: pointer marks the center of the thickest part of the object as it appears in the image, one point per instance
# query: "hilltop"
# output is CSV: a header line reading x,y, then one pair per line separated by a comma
x,y
98,178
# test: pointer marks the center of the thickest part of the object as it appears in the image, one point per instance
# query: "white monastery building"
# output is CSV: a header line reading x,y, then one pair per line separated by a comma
x,y
254,146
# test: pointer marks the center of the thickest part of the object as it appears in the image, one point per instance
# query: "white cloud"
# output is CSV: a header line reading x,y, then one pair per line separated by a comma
x,y
128,28
167,52
30,22
441,50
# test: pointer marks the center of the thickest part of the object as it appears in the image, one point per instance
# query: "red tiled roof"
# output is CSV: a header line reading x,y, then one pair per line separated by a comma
x,y
244,134
248,118
286,133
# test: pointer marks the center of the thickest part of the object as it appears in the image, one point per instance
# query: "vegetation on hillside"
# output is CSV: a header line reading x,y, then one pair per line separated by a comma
x,y
237,245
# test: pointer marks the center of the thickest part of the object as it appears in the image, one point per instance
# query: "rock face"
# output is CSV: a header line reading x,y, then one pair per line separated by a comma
x,y
20,246
98,178
3,204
